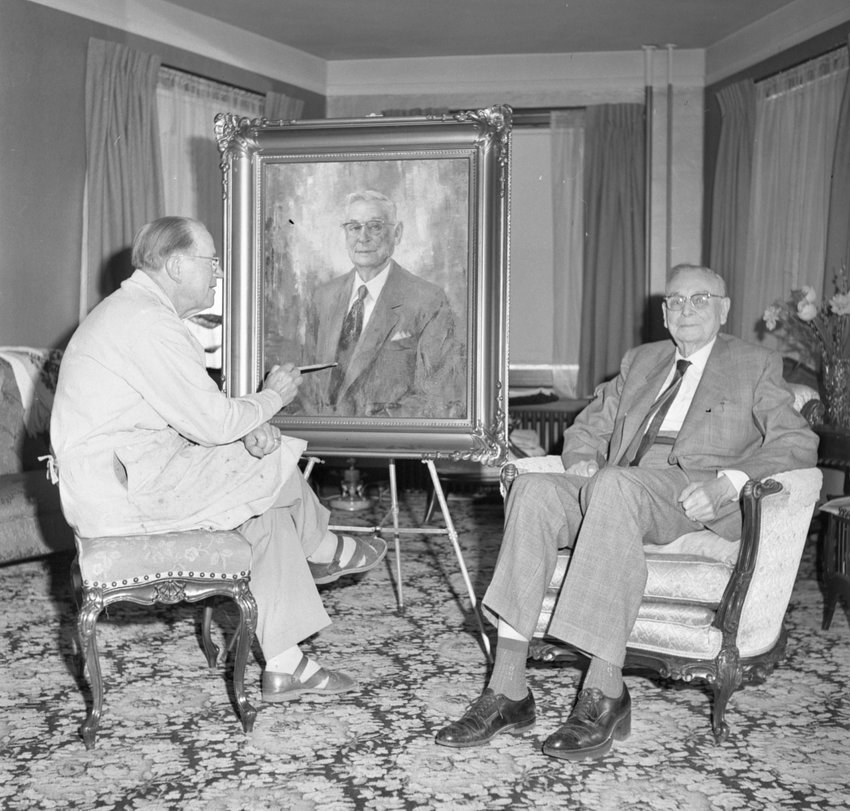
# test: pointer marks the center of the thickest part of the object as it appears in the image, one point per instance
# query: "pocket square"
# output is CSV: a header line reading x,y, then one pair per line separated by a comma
x,y
401,335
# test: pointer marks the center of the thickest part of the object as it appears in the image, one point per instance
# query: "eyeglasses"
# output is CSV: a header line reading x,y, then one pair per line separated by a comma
x,y
373,227
213,260
699,301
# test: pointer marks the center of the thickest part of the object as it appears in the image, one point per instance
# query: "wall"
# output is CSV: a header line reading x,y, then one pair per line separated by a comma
x,y
42,158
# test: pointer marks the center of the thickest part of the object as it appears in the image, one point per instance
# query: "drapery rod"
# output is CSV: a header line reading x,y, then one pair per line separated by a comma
x,y
797,64
197,75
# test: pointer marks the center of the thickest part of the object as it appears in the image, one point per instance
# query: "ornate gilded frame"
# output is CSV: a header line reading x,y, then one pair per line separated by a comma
x,y
267,167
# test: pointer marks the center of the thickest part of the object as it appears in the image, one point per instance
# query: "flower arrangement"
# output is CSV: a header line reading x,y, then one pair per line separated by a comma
x,y
820,330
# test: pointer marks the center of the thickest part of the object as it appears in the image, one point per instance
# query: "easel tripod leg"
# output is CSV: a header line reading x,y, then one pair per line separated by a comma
x,y
453,537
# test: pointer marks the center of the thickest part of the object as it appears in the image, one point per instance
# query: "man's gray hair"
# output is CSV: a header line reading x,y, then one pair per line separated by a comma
x,y
677,269
370,196
161,238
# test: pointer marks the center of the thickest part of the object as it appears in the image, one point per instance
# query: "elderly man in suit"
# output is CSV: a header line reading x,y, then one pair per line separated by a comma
x,y
663,449
391,332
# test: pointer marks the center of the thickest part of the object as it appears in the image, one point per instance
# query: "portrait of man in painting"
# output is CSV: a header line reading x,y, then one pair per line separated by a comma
x,y
366,267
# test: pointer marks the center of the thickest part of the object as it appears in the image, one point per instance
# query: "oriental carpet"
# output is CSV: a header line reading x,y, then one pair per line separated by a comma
x,y
170,739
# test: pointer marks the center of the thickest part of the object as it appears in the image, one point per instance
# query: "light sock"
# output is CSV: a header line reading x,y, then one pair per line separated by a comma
x,y
325,551
606,677
508,677
288,661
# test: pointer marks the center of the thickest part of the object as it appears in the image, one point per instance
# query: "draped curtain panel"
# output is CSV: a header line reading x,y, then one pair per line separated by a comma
x,y
187,106
614,287
838,226
795,137
280,107
123,175
192,179
731,202
567,136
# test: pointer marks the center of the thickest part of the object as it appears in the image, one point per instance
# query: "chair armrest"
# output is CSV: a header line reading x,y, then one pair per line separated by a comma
x,y
777,514
528,464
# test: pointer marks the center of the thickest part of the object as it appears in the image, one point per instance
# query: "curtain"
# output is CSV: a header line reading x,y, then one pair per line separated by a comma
x,y
838,224
280,107
567,137
731,201
795,135
614,287
123,179
192,176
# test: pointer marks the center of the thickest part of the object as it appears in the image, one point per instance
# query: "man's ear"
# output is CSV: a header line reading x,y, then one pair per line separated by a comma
x,y
173,267
399,230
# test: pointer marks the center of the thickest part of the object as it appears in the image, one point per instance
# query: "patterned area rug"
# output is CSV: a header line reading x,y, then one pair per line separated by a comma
x,y
169,737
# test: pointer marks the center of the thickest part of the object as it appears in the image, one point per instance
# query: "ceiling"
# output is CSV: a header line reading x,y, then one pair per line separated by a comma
x,y
383,29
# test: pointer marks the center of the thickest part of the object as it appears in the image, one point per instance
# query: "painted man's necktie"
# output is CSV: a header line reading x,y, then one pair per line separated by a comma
x,y
352,326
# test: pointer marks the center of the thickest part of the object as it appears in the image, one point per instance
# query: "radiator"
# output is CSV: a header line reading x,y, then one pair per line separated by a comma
x,y
549,422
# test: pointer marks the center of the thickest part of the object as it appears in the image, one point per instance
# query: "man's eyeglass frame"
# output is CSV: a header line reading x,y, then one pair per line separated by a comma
x,y
699,301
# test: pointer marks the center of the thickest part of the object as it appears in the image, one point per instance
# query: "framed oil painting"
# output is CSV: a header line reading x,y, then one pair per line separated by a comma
x,y
372,253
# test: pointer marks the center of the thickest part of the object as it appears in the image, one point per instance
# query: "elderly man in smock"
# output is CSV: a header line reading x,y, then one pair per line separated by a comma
x,y
146,443
663,449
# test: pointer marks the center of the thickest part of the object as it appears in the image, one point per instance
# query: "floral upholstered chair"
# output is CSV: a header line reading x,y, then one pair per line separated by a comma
x,y
712,609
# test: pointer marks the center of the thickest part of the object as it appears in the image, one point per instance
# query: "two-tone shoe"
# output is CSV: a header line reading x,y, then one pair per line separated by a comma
x,y
368,553
594,724
487,716
287,686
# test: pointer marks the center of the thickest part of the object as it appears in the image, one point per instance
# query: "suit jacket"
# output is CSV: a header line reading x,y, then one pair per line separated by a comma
x,y
742,416
408,361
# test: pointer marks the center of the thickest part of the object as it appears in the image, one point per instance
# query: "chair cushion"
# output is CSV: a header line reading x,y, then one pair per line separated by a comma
x,y
201,553
673,629
694,569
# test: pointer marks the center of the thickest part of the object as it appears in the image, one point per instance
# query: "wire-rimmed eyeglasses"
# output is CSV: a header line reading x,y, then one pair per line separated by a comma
x,y
373,227
699,301
213,260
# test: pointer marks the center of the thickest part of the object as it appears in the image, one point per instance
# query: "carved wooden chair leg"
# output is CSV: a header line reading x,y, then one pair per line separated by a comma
x,y
245,636
87,630
729,677
211,650
77,591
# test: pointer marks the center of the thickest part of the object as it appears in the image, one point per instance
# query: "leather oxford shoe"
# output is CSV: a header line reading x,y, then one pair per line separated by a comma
x,y
595,722
487,716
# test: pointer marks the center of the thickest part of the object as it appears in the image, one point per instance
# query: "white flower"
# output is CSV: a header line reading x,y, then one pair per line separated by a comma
x,y
806,310
809,293
840,304
771,317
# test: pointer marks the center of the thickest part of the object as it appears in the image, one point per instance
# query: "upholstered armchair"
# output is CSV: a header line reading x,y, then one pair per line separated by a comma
x,y
711,610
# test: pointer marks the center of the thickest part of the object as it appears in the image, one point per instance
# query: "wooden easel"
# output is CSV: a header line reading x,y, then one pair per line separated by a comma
x,y
393,516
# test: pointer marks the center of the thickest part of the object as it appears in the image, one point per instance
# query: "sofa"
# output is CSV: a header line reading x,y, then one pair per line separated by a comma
x,y
31,522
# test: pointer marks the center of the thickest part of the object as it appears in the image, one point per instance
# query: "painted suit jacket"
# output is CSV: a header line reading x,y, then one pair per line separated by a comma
x,y
408,361
742,416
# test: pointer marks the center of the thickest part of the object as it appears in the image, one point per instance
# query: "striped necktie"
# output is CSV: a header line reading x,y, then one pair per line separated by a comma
x,y
651,425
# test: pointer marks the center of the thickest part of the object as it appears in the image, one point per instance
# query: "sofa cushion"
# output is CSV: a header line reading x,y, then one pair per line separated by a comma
x,y
11,421
31,521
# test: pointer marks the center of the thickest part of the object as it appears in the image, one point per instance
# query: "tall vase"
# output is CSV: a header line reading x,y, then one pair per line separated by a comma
x,y
836,391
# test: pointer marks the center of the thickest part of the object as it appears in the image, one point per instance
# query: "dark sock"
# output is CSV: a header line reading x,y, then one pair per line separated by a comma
x,y
508,677
606,677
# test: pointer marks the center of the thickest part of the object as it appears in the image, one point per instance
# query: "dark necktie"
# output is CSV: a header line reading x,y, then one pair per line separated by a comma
x,y
651,425
348,337
353,324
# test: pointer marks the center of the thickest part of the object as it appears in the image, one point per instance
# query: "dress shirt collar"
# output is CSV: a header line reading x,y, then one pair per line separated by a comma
x,y
699,358
373,287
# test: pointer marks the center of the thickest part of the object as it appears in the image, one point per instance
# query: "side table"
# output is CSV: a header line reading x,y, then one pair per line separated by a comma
x,y
834,452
